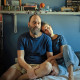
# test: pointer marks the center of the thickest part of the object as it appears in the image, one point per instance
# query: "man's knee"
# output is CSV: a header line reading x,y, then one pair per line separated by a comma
x,y
48,66
5,77
11,74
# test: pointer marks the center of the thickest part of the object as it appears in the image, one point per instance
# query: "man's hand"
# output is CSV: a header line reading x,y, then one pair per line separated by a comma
x,y
31,74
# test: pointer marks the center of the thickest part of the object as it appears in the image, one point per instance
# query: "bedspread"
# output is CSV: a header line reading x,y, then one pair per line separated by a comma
x,y
63,77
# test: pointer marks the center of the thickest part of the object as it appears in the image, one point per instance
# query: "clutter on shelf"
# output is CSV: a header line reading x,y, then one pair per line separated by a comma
x,y
75,4
67,9
17,5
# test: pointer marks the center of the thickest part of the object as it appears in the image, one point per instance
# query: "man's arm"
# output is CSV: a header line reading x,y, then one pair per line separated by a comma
x,y
25,65
49,54
21,60
58,56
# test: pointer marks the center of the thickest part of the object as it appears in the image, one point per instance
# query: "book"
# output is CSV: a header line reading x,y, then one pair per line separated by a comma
x,y
0,17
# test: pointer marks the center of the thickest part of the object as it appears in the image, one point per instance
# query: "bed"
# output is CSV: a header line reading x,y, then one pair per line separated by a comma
x,y
76,73
63,77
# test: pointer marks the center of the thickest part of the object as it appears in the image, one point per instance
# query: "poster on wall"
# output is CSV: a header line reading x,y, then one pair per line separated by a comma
x,y
0,32
0,2
0,22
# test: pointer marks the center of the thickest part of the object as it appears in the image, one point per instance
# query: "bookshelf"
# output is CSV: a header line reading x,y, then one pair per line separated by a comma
x,y
40,12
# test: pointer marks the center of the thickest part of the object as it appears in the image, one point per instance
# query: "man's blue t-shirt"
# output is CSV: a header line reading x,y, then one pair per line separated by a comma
x,y
35,48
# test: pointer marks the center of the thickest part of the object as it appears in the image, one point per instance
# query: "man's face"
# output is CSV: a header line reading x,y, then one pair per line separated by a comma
x,y
35,24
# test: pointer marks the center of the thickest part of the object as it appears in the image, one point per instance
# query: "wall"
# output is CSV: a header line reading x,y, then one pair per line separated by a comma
x,y
69,26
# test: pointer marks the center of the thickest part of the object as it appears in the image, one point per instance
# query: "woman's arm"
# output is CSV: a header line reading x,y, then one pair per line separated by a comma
x,y
58,56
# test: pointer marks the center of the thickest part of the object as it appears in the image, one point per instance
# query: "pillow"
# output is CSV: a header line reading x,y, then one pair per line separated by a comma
x,y
78,55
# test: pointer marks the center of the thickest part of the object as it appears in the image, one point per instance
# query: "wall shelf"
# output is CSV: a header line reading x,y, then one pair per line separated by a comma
x,y
42,12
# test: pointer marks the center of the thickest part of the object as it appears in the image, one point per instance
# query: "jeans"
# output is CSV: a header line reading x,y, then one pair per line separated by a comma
x,y
69,58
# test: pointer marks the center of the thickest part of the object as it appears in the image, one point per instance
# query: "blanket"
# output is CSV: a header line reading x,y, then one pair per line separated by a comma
x,y
76,74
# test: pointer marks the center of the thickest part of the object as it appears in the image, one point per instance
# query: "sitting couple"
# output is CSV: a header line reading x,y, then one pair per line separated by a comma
x,y
40,55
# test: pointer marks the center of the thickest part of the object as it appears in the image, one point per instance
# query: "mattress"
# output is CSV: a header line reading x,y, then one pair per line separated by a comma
x,y
76,74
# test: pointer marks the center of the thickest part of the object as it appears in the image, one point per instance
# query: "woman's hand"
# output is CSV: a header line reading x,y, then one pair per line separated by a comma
x,y
51,58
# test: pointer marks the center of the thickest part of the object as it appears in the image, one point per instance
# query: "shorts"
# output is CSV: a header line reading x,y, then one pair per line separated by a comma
x,y
21,69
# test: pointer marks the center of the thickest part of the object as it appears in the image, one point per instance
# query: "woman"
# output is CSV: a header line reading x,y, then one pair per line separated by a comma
x,y
63,53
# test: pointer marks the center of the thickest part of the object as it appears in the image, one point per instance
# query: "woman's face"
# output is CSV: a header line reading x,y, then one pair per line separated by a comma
x,y
47,29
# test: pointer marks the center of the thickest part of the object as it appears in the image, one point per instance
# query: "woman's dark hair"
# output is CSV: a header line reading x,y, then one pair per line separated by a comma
x,y
42,24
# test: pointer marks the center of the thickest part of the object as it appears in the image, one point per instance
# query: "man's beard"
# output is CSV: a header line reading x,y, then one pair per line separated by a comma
x,y
35,30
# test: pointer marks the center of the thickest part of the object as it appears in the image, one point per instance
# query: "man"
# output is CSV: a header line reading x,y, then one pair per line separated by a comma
x,y
34,48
